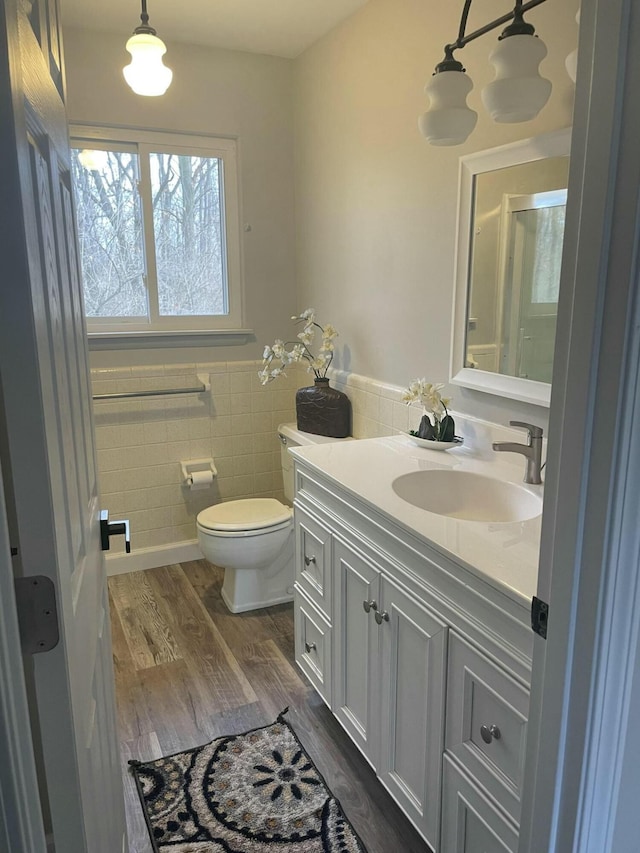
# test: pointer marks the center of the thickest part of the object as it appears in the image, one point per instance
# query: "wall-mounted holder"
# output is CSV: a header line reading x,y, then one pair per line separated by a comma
x,y
198,473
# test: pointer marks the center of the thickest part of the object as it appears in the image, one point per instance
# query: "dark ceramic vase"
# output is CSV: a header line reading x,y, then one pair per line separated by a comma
x,y
323,410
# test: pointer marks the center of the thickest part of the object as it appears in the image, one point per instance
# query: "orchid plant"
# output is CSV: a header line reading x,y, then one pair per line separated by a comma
x,y
300,350
436,423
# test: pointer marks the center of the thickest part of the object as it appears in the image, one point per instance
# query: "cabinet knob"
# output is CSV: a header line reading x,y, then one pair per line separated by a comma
x,y
370,605
489,733
382,616
309,560
309,647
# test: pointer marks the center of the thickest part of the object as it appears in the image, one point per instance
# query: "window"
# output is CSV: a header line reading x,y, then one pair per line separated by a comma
x,y
158,231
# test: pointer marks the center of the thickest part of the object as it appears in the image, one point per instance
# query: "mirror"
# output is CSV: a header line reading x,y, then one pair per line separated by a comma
x,y
511,211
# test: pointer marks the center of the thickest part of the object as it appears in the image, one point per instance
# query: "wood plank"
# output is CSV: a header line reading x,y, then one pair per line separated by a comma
x,y
149,747
238,628
214,667
275,679
146,632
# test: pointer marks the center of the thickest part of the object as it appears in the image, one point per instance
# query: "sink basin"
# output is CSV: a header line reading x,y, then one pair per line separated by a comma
x,y
467,496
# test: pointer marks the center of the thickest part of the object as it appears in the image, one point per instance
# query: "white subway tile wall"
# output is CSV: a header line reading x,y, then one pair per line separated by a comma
x,y
140,442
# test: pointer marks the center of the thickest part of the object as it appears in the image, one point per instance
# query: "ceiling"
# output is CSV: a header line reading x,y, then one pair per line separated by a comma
x,y
277,27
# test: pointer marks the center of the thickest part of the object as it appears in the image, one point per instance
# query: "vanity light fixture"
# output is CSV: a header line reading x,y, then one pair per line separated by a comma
x,y
517,93
147,74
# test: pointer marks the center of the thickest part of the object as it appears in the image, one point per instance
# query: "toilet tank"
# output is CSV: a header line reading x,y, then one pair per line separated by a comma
x,y
291,436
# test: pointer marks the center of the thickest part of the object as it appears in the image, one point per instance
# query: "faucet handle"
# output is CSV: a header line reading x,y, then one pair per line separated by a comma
x,y
533,430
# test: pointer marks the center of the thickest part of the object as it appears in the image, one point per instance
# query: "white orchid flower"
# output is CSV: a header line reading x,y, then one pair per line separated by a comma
x,y
318,364
329,332
306,336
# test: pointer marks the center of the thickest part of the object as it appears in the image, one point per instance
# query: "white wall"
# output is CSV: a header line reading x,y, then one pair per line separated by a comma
x,y
376,205
221,92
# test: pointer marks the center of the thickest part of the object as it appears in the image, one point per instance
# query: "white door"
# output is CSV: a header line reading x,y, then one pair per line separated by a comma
x,y
582,774
48,455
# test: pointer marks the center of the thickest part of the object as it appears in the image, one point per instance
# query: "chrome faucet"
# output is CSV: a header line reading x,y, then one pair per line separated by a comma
x,y
532,450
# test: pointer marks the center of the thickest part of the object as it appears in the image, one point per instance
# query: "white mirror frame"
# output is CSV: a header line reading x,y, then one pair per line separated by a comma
x,y
555,144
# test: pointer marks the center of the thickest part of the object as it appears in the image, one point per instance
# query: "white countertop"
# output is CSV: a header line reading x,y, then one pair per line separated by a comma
x,y
505,553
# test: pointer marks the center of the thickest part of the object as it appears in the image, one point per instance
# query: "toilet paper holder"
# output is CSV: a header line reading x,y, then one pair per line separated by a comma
x,y
189,467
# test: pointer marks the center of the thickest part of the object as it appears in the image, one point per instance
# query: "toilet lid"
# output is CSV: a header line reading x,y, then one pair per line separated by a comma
x,y
245,514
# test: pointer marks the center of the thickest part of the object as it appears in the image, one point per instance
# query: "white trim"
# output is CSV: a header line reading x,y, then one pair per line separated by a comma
x,y
555,144
153,558
164,338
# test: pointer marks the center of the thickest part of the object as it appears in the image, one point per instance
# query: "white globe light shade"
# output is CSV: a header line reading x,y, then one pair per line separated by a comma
x,y
147,74
93,160
518,92
449,120
571,62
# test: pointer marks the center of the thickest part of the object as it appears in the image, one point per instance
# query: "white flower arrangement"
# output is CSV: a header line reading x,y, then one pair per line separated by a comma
x,y
300,350
436,423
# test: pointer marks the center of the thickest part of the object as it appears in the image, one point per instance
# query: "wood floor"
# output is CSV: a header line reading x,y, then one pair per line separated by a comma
x,y
188,671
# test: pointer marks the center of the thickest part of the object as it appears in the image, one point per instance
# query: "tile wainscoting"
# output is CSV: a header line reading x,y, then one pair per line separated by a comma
x,y
140,443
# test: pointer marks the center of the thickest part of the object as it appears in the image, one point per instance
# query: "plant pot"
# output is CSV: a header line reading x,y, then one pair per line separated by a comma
x,y
323,410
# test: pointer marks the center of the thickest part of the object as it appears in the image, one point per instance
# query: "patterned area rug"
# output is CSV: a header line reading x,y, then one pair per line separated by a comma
x,y
256,792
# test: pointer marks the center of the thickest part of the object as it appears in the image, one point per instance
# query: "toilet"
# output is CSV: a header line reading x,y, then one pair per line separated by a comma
x,y
252,538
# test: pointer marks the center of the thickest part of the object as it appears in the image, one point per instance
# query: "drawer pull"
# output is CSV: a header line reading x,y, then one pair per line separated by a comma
x,y
370,605
310,647
309,560
488,733
382,617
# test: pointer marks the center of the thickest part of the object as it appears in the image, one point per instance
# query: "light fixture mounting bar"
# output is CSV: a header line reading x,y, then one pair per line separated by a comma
x,y
463,39
144,27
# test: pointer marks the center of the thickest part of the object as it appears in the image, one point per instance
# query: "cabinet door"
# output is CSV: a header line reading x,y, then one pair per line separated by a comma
x,y
356,638
470,823
313,644
313,560
412,686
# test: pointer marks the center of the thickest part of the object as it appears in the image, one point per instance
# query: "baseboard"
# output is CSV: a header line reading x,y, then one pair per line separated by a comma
x,y
153,558
281,599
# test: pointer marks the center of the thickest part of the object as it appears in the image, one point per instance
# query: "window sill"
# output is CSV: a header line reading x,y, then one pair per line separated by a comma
x,y
165,339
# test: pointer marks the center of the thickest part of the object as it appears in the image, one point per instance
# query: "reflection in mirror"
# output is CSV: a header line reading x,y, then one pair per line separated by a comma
x,y
516,251
510,233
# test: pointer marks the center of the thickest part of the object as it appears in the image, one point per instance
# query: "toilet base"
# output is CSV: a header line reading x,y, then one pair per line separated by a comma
x,y
252,589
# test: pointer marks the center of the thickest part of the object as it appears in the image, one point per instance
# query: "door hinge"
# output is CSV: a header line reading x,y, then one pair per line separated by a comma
x,y
37,614
539,616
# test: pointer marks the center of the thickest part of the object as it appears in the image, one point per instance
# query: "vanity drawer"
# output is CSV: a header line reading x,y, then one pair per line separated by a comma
x,y
313,560
470,822
486,724
313,644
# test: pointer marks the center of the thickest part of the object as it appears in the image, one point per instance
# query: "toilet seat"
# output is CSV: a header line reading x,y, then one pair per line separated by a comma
x,y
245,517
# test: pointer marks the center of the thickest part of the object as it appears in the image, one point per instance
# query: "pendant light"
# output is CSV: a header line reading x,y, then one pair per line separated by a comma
x,y
571,62
449,120
147,74
518,92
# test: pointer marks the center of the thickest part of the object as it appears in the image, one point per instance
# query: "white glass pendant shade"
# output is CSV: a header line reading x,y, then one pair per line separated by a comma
x,y
571,62
518,92
147,74
93,160
449,120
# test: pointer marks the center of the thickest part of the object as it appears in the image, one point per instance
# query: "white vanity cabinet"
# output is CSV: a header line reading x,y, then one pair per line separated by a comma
x,y
425,665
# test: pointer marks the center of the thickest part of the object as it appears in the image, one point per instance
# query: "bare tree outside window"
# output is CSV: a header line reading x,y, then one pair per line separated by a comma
x,y
110,233
188,234
166,206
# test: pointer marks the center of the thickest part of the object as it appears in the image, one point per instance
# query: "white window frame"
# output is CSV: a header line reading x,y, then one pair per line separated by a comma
x,y
145,142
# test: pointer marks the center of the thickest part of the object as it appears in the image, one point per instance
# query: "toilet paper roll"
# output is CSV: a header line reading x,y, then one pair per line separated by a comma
x,y
200,480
